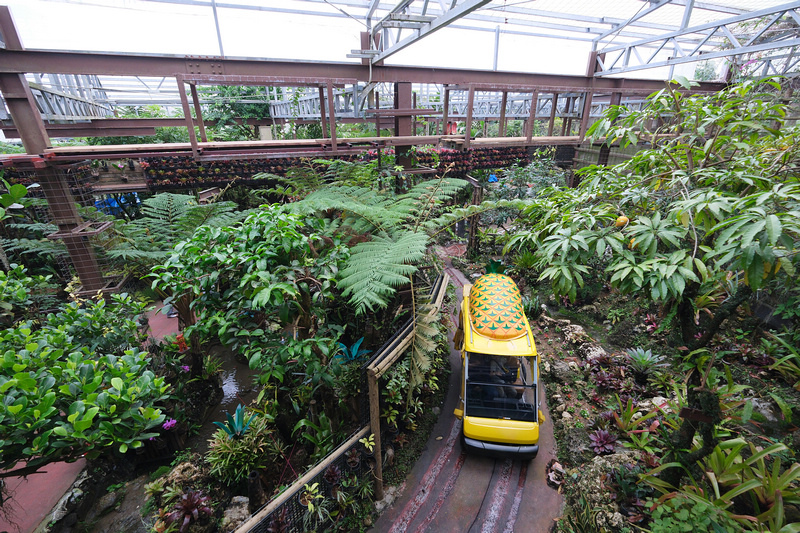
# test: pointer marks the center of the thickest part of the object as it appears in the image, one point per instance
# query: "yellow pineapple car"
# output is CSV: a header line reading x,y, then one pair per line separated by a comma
x,y
499,402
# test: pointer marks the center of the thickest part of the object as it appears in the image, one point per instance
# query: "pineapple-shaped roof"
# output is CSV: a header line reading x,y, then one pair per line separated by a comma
x,y
495,307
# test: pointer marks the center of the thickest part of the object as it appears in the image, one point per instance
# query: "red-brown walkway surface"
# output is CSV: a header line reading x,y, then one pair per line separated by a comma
x,y
34,497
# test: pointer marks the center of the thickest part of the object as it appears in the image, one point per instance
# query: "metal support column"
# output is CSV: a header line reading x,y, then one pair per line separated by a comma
x,y
402,124
332,115
468,126
501,131
532,116
28,120
187,115
553,105
198,112
587,108
445,109
324,120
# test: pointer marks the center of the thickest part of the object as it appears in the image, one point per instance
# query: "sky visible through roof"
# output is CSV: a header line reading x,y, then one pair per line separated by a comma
x,y
166,27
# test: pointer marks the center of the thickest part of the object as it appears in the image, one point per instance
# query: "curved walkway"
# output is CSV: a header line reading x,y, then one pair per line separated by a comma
x,y
451,491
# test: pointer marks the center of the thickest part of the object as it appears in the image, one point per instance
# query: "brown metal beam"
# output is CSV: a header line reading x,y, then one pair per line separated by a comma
x,y
19,61
198,110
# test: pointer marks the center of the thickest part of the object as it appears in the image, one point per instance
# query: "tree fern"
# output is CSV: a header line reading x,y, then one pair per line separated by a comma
x,y
375,268
437,225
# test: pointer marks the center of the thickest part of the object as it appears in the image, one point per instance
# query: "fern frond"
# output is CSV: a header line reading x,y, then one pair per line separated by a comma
x,y
35,246
375,268
35,227
426,330
365,210
445,220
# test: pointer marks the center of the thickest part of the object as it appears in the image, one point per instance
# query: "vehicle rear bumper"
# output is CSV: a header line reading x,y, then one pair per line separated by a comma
x,y
518,451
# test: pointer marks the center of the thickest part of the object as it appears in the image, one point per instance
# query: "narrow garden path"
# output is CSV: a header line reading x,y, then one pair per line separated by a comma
x,y
451,491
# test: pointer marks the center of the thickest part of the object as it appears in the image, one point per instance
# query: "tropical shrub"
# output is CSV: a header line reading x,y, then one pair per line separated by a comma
x,y
69,393
714,198
232,460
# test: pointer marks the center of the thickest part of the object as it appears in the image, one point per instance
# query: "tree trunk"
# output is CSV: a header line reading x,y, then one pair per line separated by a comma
x,y
743,293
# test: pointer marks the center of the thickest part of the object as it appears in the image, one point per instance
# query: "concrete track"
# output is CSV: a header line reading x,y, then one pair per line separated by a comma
x,y
451,491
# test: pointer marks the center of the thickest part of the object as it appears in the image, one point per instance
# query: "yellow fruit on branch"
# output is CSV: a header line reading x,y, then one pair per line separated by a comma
x,y
622,221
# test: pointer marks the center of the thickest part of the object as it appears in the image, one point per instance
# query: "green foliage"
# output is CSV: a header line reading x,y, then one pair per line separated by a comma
x,y
399,228
236,425
354,352
232,460
715,198
683,514
643,362
226,103
320,434
66,392
166,220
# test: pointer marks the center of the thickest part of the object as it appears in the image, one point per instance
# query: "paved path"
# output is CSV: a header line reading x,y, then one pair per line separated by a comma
x,y
451,491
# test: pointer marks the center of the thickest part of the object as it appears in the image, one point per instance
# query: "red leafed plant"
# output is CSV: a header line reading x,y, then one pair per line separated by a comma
x,y
191,506
602,441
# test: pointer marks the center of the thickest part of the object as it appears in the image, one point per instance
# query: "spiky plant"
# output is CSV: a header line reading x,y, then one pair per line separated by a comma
x,y
192,505
643,362
602,442
237,425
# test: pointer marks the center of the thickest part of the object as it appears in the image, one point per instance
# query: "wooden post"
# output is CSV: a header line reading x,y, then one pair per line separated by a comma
x,y
375,427
472,241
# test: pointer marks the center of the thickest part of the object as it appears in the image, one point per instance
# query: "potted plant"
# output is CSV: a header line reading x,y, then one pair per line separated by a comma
x,y
332,478
390,414
369,444
309,495
353,458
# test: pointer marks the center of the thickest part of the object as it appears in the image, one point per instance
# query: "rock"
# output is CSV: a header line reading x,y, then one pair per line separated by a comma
x,y
182,474
125,524
576,440
561,408
561,372
574,334
66,504
105,504
590,350
236,514
389,496
766,409
546,366
436,410
565,415
546,321
573,366
590,309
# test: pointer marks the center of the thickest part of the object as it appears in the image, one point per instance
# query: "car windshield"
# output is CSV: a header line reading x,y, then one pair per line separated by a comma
x,y
501,387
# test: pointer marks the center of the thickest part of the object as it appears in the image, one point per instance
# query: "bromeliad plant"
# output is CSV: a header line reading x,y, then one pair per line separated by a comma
x,y
237,425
